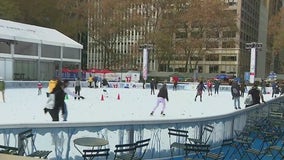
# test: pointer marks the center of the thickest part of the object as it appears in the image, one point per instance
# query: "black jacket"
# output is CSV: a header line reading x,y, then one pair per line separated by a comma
x,y
256,95
59,100
163,92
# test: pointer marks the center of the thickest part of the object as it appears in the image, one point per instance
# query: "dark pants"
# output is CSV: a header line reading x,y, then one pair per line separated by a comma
x,y
152,91
77,91
54,113
65,115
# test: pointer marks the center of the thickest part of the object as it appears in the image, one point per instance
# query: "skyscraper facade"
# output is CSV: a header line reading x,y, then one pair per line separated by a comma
x,y
252,17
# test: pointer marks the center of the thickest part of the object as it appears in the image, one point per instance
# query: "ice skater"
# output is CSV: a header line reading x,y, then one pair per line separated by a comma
x,y
162,97
2,88
209,87
216,86
68,92
58,96
58,102
51,85
275,89
152,86
77,88
105,86
200,88
39,87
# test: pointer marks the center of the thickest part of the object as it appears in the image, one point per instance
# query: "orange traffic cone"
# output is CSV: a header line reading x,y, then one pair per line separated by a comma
x,y
118,96
102,98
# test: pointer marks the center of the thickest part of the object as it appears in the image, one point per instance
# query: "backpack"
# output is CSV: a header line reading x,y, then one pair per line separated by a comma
x,y
235,91
248,100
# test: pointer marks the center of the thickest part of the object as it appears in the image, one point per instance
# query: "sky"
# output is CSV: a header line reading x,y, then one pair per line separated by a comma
x,y
25,106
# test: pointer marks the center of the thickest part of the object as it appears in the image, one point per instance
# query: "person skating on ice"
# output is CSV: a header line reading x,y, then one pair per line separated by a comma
x,y
161,98
59,92
59,96
209,87
77,88
2,88
105,85
68,92
199,90
216,86
39,87
152,86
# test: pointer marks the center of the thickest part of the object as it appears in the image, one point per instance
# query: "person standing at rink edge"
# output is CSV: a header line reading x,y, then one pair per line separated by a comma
x,y
255,94
162,97
235,91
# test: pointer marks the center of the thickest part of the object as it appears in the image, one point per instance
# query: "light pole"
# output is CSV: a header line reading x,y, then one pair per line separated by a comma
x,y
121,74
252,46
145,48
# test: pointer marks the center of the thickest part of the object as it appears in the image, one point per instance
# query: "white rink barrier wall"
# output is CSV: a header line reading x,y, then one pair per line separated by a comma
x,y
181,86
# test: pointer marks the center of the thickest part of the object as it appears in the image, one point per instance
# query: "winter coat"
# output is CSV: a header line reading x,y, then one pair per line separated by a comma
x,y
163,92
152,84
59,100
235,91
2,85
256,95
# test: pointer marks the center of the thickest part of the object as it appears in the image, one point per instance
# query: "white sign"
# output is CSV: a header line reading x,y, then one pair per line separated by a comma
x,y
252,65
145,63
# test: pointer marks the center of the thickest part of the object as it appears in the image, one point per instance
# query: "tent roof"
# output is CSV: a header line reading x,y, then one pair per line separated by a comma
x,y
10,30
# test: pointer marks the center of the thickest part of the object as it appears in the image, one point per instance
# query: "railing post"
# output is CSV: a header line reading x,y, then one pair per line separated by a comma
x,y
21,150
131,135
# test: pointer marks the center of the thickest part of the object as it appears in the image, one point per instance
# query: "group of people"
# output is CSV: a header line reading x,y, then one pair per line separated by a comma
x,y
254,95
277,90
237,91
201,88
57,91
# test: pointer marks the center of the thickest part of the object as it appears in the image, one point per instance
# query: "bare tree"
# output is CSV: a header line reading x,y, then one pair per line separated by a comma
x,y
109,23
204,22
276,40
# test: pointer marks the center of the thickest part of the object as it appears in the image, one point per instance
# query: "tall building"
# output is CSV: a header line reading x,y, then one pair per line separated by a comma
x,y
252,22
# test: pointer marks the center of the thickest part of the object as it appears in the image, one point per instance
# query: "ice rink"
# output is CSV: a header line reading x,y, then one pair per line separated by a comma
x,y
121,104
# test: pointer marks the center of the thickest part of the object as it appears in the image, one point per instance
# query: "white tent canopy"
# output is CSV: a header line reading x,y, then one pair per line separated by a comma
x,y
10,30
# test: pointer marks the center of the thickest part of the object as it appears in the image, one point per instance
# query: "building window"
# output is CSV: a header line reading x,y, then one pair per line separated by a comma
x,y
25,70
212,57
181,35
72,53
212,45
25,48
213,69
196,34
229,34
200,69
229,58
4,47
196,58
228,44
212,34
50,51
